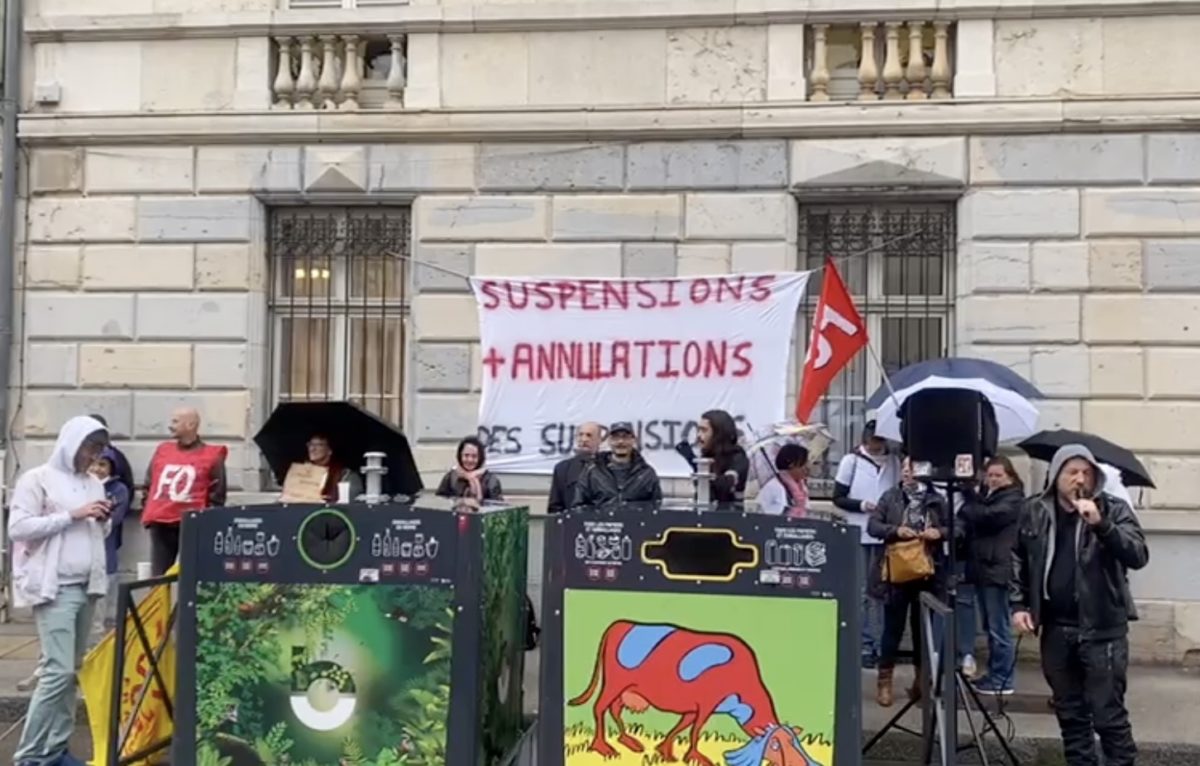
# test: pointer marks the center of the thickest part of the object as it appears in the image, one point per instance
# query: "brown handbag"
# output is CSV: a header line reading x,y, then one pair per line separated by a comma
x,y
906,561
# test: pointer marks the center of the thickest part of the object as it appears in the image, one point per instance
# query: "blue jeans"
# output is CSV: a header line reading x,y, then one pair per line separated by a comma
x,y
872,609
965,619
997,622
62,626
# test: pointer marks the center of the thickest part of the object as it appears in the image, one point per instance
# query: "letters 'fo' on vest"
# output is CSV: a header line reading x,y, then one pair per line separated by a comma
x,y
180,481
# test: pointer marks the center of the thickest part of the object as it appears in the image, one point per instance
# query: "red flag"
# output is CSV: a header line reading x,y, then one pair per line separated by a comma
x,y
838,333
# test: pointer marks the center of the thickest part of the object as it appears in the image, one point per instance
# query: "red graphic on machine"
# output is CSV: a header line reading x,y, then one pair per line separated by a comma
x,y
696,675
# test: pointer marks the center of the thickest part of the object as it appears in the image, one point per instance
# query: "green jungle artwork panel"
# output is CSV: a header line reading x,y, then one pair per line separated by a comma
x,y
322,675
505,548
765,667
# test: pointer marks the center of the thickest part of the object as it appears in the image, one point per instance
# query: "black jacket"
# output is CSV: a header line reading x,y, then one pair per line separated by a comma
x,y
566,476
454,486
599,486
888,517
727,488
122,470
730,485
1104,555
990,530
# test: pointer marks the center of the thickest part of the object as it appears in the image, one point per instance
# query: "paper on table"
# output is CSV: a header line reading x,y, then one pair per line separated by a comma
x,y
303,483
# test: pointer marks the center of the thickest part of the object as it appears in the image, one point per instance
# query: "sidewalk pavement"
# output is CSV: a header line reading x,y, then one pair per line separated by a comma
x,y
1162,703
18,657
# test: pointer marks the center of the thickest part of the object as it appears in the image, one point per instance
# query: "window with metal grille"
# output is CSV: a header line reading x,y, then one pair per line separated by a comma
x,y
897,261
339,306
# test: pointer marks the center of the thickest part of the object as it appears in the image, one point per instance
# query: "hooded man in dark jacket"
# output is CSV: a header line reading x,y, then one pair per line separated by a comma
x,y
1075,545
620,476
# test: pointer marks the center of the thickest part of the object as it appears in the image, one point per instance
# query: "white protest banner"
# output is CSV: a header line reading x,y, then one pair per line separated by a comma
x,y
558,352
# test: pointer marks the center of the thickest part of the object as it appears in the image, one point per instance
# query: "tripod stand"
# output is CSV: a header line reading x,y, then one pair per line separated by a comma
x,y
939,711
945,711
939,716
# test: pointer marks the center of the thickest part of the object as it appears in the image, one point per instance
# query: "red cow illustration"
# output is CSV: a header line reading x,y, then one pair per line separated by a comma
x,y
695,675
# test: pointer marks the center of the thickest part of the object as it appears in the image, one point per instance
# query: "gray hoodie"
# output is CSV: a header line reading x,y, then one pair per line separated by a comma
x,y
1068,452
1050,497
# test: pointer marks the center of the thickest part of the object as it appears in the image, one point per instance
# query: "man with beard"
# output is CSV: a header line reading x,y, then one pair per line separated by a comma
x,y
1075,545
568,472
620,476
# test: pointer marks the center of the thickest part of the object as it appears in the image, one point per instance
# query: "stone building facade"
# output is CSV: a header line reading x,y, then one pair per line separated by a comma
x,y
232,202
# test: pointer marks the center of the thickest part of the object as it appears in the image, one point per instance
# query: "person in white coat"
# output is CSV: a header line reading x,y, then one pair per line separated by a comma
x,y
59,515
786,493
862,477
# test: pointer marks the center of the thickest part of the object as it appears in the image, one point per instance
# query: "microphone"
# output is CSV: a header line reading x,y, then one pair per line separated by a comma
x,y
1080,495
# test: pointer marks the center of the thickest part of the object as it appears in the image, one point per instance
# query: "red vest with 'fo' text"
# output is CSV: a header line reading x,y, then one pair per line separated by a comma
x,y
179,481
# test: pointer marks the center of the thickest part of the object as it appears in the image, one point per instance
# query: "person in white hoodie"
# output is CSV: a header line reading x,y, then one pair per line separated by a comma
x,y
59,515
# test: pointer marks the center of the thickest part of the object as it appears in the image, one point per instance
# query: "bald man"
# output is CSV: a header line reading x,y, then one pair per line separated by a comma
x,y
185,474
567,472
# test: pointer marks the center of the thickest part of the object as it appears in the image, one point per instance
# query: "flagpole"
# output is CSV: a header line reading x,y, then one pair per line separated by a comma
x,y
883,371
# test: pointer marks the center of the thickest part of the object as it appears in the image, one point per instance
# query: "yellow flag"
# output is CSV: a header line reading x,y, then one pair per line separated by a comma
x,y
96,678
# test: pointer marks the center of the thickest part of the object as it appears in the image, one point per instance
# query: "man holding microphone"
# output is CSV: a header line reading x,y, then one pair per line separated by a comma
x,y
1074,548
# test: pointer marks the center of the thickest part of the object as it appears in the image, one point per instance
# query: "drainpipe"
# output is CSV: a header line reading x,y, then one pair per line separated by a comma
x,y
9,108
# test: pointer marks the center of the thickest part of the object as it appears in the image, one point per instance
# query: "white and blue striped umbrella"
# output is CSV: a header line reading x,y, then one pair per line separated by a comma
x,y
957,367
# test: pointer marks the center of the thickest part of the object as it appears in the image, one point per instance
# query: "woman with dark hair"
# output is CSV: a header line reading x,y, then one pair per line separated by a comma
x,y
787,492
470,481
115,492
469,478
718,437
121,467
909,512
991,519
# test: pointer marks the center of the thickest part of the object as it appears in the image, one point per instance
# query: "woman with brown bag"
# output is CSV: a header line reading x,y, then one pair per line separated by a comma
x,y
912,520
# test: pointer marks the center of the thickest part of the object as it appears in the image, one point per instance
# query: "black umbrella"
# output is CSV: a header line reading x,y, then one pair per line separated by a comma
x,y
352,432
1043,445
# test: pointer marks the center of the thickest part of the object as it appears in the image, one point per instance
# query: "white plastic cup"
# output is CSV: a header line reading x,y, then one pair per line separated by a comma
x,y
343,492
143,570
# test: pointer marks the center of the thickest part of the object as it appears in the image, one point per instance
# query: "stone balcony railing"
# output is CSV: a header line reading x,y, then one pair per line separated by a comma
x,y
339,72
869,61
855,61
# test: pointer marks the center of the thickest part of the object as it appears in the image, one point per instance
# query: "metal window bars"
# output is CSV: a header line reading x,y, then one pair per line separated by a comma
x,y
339,305
897,260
